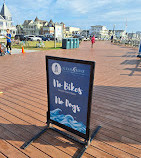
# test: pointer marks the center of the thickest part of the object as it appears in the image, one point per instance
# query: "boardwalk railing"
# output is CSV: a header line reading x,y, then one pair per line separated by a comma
x,y
134,43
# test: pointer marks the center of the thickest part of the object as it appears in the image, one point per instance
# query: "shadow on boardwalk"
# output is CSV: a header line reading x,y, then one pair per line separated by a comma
x,y
117,109
137,67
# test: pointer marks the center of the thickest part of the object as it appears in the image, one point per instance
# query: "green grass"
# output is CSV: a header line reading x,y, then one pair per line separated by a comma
x,y
32,45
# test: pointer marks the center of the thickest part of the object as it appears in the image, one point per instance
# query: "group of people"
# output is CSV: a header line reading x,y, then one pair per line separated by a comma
x,y
8,37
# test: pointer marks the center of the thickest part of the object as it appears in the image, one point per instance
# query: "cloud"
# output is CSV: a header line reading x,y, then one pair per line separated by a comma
x,y
80,13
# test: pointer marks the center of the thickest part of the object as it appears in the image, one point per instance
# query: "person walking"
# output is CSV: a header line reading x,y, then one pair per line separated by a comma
x,y
8,36
0,50
93,40
112,37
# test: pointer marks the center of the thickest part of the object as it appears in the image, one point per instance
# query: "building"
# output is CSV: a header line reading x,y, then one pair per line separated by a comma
x,y
20,30
48,29
133,36
84,33
72,31
54,29
30,27
99,31
119,34
6,21
138,34
64,29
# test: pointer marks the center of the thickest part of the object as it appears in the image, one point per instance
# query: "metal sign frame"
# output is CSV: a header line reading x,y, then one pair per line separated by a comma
x,y
92,67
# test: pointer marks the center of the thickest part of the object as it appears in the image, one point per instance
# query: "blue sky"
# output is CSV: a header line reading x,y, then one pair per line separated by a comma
x,y
80,13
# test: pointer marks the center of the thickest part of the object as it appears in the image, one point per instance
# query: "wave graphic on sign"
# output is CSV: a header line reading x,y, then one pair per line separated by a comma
x,y
67,120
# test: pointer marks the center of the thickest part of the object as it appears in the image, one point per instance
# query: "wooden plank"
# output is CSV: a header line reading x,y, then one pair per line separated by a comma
x,y
120,145
10,150
39,148
117,124
120,138
2,155
53,139
71,149
110,149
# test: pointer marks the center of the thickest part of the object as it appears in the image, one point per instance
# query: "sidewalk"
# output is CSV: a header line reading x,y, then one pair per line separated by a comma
x,y
116,100
19,51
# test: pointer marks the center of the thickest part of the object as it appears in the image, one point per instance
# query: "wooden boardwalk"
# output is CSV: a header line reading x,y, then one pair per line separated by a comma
x,y
116,104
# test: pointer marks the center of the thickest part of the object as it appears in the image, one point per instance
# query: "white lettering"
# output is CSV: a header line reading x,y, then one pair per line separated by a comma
x,y
57,84
58,100
75,108
72,88
67,86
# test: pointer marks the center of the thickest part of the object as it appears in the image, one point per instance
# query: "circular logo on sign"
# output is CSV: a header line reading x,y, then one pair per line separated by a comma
x,y
56,68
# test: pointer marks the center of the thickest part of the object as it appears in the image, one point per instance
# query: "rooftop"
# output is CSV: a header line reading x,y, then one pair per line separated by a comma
x,y
5,11
98,26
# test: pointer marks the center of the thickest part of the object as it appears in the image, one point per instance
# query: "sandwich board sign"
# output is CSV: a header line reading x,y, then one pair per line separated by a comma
x,y
69,89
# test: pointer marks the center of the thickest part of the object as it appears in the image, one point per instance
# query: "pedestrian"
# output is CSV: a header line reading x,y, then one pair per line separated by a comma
x,y
0,50
8,36
93,40
112,37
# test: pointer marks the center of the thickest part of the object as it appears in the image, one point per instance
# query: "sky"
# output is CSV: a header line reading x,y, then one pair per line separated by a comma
x,y
79,13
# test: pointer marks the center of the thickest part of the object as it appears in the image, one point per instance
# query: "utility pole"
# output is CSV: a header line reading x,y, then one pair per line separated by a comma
x,y
113,29
126,28
86,31
126,25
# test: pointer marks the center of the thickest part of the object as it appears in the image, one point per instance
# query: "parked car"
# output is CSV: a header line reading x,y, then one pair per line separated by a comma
x,y
27,38
33,38
50,37
42,37
20,37
96,39
86,39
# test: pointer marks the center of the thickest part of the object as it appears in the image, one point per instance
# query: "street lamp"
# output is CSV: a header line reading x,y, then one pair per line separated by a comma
x,y
113,29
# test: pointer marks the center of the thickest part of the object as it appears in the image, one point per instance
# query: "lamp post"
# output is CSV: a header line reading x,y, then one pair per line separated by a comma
x,y
54,37
113,29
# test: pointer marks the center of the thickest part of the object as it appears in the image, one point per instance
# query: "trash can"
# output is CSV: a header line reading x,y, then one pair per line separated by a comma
x,y
77,42
74,43
65,43
71,42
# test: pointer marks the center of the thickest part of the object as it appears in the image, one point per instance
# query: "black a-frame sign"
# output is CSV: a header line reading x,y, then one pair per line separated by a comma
x,y
69,89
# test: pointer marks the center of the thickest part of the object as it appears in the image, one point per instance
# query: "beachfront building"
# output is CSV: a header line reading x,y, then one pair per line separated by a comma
x,y
138,33
72,31
6,21
58,28
48,29
100,32
31,27
133,36
120,34
20,30
84,33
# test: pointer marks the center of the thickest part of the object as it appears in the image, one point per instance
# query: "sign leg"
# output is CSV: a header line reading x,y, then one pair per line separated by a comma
x,y
83,149
26,144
